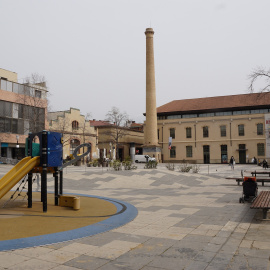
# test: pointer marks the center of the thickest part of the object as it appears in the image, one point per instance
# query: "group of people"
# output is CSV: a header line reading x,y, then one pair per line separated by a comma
x,y
254,160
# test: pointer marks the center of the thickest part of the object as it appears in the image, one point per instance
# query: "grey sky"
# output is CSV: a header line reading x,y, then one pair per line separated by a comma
x,y
92,53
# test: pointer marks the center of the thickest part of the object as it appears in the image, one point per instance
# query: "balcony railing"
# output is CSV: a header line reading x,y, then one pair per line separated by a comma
x,y
22,89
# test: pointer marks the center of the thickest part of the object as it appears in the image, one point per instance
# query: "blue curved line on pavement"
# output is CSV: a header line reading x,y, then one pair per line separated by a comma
x,y
106,225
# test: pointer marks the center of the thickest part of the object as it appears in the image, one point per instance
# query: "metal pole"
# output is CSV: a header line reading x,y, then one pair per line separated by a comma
x,y
61,183
30,177
44,171
56,187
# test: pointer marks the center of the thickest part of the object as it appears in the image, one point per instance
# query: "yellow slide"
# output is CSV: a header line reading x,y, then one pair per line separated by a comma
x,y
8,181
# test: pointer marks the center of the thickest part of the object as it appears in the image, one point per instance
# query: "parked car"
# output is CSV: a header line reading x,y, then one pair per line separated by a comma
x,y
143,158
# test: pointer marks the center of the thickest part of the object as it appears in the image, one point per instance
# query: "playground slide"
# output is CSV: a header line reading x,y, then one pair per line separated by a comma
x,y
9,180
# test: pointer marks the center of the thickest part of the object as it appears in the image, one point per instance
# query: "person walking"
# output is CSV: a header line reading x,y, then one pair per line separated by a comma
x,y
232,162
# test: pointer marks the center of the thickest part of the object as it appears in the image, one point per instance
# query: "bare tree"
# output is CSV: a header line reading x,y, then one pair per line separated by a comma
x,y
34,102
84,130
259,74
118,130
59,123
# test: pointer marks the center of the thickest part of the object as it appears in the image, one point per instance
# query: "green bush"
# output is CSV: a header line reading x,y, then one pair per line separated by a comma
x,y
151,165
170,166
95,162
195,168
184,168
117,165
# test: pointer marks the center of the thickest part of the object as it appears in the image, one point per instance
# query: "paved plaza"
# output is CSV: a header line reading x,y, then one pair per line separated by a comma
x,y
185,221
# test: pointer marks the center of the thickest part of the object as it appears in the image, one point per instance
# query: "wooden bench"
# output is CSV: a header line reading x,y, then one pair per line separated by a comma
x,y
262,202
260,172
239,179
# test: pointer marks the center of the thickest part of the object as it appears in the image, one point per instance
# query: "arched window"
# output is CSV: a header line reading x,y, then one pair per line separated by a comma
x,y
75,125
73,144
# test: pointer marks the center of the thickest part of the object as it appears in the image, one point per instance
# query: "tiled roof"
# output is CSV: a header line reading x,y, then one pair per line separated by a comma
x,y
94,123
214,103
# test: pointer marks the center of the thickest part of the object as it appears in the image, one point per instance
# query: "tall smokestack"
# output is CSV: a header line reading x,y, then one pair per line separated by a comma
x,y
151,146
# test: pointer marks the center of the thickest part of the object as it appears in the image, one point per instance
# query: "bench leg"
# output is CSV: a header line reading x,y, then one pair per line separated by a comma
x,y
265,213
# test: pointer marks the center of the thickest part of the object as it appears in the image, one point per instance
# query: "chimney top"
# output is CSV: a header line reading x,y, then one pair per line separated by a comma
x,y
149,31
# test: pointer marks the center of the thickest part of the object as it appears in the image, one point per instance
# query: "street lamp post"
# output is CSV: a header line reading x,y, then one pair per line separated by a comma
x,y
17,146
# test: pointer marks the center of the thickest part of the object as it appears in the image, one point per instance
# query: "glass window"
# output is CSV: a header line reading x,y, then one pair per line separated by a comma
x,y
15,88
21,89
4,84
205,132
173,116
38,93
173,152
158,134
206,114
224,154
189,151
7,127
189,115
260,149
223,131
27,90
2,124
9,86
260,129
223,113
20,126
20,111
188,132
75,125
260,111
14,126
2,108
241,131
8,109
172,133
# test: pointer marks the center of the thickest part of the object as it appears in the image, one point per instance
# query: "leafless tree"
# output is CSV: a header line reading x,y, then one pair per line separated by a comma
x,y
61,124
259,74
34,102
118,130
84,129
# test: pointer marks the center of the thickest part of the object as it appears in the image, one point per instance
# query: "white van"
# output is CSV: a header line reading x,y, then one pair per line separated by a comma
x,y
143,158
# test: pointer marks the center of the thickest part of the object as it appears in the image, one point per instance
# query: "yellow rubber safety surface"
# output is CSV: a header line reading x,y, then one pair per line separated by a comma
x,y
18,221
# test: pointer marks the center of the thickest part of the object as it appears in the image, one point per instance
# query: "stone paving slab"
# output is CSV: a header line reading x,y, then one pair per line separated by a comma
x,y
185,221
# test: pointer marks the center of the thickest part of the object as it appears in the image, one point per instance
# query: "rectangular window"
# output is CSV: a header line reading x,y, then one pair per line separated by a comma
x,y
189,151
4,84
205,132
188,132
172,133
260,149
260,129
173,152
241,131
38,93
224,154
223,131
9,86
158,134
14,126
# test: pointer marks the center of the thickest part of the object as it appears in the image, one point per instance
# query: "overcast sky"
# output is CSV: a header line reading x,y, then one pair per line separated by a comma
x,y
92,53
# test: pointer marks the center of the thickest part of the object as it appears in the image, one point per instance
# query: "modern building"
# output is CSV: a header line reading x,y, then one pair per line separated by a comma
x,y
76,130
212,129
23,109
116,142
